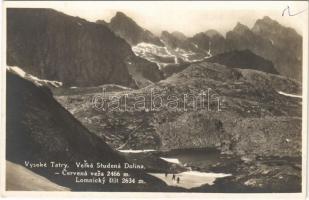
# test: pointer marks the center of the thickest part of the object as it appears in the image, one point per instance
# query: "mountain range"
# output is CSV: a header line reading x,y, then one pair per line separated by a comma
x,y
84,53
267,38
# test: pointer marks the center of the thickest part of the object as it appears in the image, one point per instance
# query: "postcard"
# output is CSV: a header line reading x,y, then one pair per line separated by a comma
x,y
154,99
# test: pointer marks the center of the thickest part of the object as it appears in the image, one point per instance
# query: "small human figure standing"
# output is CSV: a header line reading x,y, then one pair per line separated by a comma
x,y
178,179
174,177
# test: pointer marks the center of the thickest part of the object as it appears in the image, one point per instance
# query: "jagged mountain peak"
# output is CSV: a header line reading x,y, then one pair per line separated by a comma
x,y
120,14
165,33
123,16
120,17
128,29
268,20
266,24
240,27
103,22
179,35
211,33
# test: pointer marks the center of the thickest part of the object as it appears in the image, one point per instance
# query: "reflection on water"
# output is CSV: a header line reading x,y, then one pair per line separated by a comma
x,y
200,160
171,160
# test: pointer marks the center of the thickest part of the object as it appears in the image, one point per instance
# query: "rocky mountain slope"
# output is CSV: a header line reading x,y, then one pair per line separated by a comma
x,y
270,118
53,46
39,129
272,41
288,44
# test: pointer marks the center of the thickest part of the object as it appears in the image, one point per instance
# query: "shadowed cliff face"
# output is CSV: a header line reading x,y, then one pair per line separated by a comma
x,y
55,46
42,129
39,129
244,59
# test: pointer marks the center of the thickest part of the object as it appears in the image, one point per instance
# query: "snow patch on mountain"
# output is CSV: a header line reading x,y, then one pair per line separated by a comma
x,y
171,160
136,151
289,95
34,79
164,56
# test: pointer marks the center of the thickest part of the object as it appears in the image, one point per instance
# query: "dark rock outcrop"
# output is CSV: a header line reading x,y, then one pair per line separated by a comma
x,y
243,59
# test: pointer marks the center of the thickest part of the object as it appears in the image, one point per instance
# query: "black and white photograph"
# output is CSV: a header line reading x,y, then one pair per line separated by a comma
x,y
154,97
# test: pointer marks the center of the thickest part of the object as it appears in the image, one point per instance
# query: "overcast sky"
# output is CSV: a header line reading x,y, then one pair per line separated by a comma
x,y
187,17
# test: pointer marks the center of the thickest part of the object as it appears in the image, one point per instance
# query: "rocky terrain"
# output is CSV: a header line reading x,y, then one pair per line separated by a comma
x,y
257,124
260,175
54,46
242,102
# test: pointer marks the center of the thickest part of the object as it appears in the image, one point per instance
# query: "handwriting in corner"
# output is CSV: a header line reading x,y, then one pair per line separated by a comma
x,y
288,11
